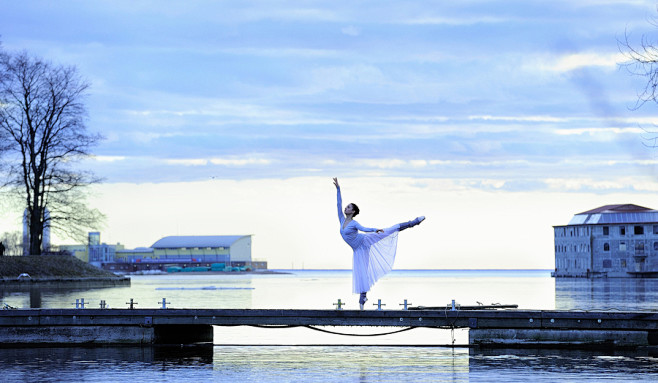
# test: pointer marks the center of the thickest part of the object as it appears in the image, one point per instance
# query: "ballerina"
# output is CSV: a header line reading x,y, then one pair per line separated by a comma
x,y
374,252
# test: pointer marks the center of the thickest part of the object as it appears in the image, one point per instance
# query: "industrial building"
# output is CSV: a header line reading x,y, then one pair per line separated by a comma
x,y
231,251
609,241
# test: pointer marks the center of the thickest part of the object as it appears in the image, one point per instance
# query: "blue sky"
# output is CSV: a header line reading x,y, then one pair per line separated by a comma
x,y
484,96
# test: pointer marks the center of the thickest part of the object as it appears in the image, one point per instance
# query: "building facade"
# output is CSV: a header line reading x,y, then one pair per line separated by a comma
x,y
187,252
232,251
609,241
94,252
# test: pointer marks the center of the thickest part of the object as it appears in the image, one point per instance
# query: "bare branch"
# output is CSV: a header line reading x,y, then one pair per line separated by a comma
x,y
42,117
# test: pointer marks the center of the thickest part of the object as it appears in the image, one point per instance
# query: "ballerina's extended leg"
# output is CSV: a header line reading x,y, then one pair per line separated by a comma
x,y
412,223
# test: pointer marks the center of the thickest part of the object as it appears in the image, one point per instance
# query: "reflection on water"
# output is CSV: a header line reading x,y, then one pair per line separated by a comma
x,y
375,360
626,294
31,295
563,365
320,364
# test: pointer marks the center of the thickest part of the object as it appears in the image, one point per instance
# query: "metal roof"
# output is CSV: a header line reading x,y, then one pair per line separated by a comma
x,y
615,214
193,241
625,208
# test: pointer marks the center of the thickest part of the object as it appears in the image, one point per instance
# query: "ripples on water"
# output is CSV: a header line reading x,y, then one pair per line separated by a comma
x,y
319,364
310,356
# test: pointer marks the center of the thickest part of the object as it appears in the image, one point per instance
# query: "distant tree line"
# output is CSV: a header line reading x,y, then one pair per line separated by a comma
x,y
43,136
12,242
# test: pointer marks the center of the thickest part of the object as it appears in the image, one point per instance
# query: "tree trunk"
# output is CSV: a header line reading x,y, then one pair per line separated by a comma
x,y
36,231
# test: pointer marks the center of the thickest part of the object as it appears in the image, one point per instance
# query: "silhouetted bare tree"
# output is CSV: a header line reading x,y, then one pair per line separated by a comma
x,y
42,115
642,61
3,76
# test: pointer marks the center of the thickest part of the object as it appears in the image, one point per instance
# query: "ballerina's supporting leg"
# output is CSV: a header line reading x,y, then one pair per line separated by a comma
x,y
412,223
362,300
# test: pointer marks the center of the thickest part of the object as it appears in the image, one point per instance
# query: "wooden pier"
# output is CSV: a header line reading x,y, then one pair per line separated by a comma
x,y
490,328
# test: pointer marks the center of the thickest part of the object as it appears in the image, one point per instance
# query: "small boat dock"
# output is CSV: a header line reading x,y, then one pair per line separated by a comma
x,y
487,327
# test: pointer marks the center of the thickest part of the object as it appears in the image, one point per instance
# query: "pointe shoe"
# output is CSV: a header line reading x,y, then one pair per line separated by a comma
x,y
362,301
421,218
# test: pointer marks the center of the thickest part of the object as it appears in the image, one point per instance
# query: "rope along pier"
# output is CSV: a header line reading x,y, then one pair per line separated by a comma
x,y
504,328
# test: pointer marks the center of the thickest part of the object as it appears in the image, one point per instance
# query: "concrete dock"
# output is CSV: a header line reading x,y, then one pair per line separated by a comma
x,y
487,328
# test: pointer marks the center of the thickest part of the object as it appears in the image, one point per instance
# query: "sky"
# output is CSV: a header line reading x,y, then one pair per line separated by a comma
x,y
495,119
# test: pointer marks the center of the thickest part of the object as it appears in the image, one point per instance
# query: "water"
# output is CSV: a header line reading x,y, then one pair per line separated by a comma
x,y
301,354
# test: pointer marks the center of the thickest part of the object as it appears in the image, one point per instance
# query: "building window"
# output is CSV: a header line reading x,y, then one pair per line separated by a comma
x,y
622,230
655,229
606,230
607,263
638,230
639,248
623,262
655,245
606,247
622,246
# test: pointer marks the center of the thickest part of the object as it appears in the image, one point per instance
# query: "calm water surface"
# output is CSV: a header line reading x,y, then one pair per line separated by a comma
x,y
287,355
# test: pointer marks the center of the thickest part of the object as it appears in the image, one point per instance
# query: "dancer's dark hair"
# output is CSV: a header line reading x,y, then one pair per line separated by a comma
x,y
356,210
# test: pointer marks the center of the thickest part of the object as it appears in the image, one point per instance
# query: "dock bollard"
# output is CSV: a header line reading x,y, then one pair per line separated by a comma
x,y
339,305
80,303
164,303
405,304
379,304
131,303
103,304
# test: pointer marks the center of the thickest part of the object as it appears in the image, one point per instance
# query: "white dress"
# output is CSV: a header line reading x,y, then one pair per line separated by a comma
x,y
374,253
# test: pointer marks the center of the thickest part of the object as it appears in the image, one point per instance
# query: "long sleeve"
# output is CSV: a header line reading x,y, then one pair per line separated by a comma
x,y
364,229
341,216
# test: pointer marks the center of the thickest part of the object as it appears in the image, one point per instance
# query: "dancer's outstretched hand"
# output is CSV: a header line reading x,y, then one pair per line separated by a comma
x,y
336,183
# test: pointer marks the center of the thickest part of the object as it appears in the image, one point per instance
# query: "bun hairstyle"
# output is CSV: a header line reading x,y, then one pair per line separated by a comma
x,y
356,210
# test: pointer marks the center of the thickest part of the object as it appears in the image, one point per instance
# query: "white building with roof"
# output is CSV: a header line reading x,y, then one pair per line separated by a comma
x,y
188,252
218,252
611,241
233,249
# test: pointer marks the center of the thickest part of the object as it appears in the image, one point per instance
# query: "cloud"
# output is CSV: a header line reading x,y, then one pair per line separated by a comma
x,y
187,162
510,163
341,77
148,137
597,131
240,161
520,118
351,31
607,162
278,52
383,163
108,158
233,161
585,184
569,62
455,21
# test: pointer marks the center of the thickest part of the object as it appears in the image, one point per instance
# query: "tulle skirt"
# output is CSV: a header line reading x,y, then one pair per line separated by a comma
x,y
374,258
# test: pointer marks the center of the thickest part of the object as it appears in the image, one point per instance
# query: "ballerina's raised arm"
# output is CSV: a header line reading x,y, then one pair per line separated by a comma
x,y
341,216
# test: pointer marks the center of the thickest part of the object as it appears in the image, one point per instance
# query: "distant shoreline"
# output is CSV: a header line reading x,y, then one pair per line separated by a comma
x,y
257,272
45,284
546,270
54,270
